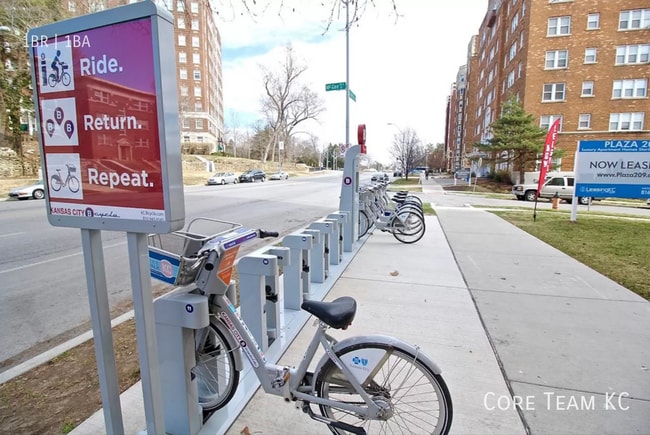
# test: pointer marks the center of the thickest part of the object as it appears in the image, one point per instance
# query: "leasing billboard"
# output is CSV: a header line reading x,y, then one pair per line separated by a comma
x,y
613,168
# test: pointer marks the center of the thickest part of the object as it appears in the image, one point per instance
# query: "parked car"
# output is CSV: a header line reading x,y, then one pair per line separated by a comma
x,y
380,177
223,178
562,186
252,176
36,191
279,175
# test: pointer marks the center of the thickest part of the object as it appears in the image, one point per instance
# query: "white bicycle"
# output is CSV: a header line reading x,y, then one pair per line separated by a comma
x,y
362,384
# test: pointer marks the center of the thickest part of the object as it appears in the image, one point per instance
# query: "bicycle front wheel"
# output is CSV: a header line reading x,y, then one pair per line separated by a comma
x,y
216,375
364,223
73,184
414,398
408,227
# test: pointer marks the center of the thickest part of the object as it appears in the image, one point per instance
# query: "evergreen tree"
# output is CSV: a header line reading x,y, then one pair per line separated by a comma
x,y
516,140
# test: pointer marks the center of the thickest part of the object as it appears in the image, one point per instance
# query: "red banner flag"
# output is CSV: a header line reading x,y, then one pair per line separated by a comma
x,y
549,146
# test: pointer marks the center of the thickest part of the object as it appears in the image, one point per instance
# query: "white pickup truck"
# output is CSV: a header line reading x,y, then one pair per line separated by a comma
x,y
561,185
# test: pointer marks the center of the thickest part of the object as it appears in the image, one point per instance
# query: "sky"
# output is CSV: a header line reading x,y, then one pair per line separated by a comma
x,y
402,66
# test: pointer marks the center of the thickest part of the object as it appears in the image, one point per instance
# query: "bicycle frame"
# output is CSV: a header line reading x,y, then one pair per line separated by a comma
x,y
294,383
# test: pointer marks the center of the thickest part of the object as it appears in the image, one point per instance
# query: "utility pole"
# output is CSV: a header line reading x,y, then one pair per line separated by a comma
x,y
347,72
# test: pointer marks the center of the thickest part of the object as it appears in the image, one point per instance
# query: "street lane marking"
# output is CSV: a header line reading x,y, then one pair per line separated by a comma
x,y
55,259
12,234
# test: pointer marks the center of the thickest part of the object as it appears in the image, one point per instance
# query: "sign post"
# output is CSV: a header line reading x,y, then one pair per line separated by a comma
x,y
110,150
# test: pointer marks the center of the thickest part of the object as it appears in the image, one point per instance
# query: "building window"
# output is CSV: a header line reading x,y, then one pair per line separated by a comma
x,y
196,58
632,54
195,41
104,139
198,106
182,57
101,96
584,121
632,88
195,24
545,121
180,22
199,124
184,91
559,26
590,55
197,74
626,121
511,79
553,92
519,70
556,59
180,6
181,40
587,89
634,19
197,91
186,123
194,7
182,73
186,138
514,23
513,50
142,106
593,21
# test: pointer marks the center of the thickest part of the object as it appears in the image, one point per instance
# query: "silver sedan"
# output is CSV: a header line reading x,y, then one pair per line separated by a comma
x,y
223,178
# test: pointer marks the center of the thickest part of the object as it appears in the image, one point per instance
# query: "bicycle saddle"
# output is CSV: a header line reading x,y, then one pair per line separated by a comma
x,y
338,313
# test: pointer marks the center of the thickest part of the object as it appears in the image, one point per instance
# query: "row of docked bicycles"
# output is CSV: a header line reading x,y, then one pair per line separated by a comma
x,y
401,214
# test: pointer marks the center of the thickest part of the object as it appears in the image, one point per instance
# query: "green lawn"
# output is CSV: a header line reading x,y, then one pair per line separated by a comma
x,y
616,246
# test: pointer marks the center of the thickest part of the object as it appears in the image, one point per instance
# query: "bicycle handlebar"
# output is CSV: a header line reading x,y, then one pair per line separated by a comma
x,y
264,234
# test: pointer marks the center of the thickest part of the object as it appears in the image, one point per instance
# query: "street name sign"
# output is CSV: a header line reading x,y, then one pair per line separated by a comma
x,y
335,86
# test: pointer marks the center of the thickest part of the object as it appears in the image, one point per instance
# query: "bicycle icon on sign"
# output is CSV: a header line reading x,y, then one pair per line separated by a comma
x,y
62,77
71,181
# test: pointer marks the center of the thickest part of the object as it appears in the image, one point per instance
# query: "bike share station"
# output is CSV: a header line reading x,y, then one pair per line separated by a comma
x,y
311,259
139,190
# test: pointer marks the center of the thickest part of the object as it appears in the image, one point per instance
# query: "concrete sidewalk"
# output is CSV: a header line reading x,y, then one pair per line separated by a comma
x,y
573,344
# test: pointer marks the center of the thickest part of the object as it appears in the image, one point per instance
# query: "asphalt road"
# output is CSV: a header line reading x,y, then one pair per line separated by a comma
x,y
43,293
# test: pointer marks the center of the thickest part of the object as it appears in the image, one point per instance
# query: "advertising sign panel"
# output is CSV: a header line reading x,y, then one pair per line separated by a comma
x,y
613,168
109,120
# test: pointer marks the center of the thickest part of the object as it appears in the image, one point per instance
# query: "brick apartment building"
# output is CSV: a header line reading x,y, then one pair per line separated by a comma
x,y
583,61
198,66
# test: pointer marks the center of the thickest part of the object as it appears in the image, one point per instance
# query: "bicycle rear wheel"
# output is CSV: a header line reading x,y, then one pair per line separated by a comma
x,y
414,397
216,375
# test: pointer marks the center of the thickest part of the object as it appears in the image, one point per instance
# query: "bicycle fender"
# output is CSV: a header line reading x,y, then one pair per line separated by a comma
x,y
392,342
239,363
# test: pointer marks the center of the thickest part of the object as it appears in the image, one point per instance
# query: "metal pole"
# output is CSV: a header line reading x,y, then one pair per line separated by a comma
x,y
91,242
347,72
146,332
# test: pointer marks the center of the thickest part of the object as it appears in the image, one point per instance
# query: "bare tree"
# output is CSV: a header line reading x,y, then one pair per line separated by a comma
x,y
332,10
287,103
407,150
16,18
